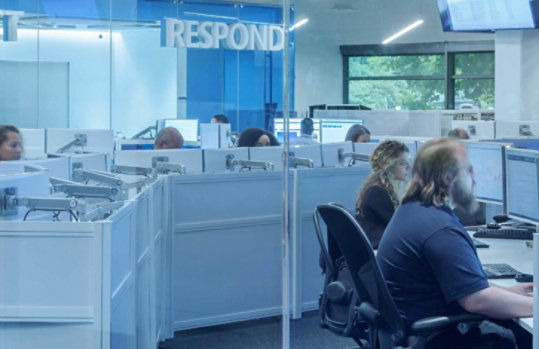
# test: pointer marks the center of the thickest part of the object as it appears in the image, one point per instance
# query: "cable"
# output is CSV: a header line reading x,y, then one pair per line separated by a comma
x,y
27,213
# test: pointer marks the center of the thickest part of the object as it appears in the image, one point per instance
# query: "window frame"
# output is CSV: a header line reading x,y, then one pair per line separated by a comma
x,y
446,49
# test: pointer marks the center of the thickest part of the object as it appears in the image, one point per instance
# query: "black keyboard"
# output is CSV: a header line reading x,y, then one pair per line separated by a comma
x,y
504,233
500,271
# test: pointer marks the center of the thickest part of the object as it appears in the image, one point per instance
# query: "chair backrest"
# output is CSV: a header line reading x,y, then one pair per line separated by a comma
x,y
369,283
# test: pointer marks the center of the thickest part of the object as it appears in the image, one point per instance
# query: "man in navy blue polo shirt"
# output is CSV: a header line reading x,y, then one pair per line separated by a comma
x,y
427,257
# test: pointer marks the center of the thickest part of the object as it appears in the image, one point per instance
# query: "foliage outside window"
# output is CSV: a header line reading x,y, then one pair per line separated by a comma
x,y
420,82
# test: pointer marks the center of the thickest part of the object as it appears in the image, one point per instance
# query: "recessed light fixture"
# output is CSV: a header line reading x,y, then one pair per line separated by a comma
x,y
299,24
402,32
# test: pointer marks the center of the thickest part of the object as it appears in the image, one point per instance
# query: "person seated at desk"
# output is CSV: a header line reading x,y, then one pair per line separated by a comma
x,y
256,137
219,119
306,136
168,138
458,133
430,262
358,134
381,191
10,143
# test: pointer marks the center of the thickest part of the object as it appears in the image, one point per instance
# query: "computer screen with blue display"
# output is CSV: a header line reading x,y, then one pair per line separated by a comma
x,y
522,184
488,162
294,129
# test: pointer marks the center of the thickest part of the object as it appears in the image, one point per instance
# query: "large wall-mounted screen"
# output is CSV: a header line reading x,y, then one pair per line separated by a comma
x,y
487,15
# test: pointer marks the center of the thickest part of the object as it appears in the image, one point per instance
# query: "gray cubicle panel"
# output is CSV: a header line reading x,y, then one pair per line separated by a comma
x,y
215,160
89,161
52,293
271,154
365,148
190,158
226,247
57,166
34,142
330,153
312,152
100,141
313,187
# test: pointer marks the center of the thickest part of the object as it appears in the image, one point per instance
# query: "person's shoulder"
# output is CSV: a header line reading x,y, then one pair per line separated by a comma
x,y
377,190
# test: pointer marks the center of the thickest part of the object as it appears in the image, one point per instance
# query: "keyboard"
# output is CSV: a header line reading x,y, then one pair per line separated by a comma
x,y
479,244
500,271
504,233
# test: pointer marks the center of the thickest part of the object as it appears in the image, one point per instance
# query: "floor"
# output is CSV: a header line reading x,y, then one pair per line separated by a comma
x,y
260,334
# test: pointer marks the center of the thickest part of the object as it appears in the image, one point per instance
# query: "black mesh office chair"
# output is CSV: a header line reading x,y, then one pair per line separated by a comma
x,y
338,302
377,309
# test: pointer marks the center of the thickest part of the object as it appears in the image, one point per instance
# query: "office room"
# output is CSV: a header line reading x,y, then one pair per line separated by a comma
x,y
109,242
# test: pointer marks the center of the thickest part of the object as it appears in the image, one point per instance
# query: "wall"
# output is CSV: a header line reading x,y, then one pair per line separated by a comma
x,y
517,72
318,60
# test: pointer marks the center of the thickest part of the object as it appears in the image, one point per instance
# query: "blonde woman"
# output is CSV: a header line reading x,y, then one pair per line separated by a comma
x,y
381,192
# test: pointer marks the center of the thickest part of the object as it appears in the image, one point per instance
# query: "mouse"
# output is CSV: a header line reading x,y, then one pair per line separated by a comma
x,y
524,278
493,225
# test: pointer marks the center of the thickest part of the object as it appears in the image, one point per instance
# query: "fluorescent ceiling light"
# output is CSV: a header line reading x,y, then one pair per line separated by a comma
x,y
402,32
299,24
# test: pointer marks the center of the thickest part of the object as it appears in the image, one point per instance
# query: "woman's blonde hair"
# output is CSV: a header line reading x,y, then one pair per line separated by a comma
x,y
383,158
433,161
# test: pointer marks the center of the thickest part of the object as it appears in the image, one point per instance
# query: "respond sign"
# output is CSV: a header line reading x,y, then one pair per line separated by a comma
x,y
207,35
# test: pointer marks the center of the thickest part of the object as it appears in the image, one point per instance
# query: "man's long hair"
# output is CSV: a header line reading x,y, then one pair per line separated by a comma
x,y
433,161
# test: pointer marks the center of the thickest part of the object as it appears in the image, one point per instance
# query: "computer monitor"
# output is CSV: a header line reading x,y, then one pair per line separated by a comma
x,y
271,154
488,161
190,158
313,152
215,160
475,129
33,143
99,141
330,153
187,127
334,130
522,167
294,129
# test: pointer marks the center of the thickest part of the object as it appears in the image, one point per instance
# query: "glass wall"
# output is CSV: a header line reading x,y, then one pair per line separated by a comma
x,y
100,64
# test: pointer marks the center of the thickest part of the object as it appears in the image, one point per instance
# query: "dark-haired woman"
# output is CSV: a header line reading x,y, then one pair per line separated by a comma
x,y
10,143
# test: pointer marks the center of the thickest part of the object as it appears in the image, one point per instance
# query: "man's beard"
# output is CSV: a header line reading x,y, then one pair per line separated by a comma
x,y
463,198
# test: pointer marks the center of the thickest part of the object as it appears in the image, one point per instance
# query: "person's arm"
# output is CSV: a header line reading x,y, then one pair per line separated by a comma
x,y
498,302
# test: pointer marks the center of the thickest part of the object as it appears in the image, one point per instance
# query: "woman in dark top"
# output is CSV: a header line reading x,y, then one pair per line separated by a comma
x,y
381,191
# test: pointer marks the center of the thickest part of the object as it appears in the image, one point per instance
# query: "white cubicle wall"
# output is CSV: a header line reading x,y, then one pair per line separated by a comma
x,y
226,263
330,153
515,129
190,158
476,129
33,142
88,284
99,141
312,187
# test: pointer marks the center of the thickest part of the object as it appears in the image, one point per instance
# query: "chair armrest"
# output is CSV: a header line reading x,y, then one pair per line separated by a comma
x,y
436,323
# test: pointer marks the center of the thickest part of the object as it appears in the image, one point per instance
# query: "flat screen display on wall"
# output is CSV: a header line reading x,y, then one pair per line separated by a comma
x,y
488,15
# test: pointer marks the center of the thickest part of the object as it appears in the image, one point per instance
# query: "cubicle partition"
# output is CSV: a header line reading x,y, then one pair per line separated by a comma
x,y
87,284
226,264
312,187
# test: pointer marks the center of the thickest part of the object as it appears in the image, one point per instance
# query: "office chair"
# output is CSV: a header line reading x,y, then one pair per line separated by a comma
x,y
377,309
338,301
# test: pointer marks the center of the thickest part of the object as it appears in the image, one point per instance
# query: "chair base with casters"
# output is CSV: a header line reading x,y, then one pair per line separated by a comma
x,y
386,328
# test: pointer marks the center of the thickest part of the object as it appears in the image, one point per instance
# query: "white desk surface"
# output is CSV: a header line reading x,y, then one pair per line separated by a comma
x,y
516,254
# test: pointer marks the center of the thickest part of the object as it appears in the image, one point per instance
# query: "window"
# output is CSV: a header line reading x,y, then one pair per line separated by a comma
x,y
419,76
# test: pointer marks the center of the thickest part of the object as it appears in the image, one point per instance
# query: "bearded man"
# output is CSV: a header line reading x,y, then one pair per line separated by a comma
x,y
430,262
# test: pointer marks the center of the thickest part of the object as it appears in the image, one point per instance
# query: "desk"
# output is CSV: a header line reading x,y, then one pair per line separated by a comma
x,y
516,254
